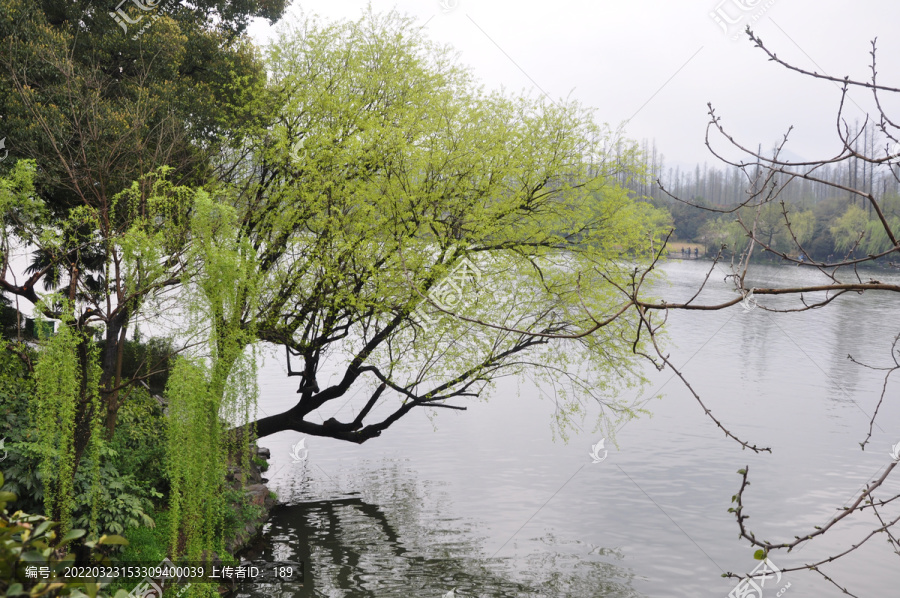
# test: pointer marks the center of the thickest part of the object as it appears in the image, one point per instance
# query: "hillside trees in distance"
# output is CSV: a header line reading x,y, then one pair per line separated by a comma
x,y
825,201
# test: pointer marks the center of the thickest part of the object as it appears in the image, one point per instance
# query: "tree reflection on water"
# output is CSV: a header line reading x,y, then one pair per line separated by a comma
x,y
398,545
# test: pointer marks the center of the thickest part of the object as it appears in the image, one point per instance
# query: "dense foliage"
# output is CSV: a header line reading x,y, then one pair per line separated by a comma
x,y
827,229
325,210
31,540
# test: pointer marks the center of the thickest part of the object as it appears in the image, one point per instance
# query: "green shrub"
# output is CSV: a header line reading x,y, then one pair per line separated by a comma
x,y
123,502
133,465
30,539
139,442
237,511
20,457
147,544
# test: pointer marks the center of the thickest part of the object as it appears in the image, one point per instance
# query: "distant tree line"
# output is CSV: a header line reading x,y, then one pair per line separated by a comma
x,y
830,222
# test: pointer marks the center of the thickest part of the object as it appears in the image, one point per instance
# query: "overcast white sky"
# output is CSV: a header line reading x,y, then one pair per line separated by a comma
x,y
671,57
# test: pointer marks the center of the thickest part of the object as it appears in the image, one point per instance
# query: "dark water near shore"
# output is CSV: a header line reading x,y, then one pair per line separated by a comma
x,y
486,502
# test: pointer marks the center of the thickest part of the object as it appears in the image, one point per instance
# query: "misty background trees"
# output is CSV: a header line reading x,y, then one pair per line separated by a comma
x,y
827,216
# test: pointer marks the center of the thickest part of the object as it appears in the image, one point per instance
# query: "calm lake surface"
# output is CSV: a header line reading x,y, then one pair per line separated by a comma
x,y
486,502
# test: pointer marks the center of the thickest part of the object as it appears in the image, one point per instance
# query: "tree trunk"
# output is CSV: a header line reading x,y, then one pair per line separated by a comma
x,y
111,366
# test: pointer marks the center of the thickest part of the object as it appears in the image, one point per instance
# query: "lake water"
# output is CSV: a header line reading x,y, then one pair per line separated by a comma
x,y
486,502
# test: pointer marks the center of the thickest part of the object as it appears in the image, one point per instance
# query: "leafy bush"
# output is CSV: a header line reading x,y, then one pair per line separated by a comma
x,y
139,443
145,545
123,502
18,453
129,475
148,544
23,468
29,539
133,465
237,511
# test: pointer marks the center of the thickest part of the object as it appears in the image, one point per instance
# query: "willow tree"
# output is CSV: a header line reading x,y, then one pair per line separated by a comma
x,y
425,236
213,387
67,377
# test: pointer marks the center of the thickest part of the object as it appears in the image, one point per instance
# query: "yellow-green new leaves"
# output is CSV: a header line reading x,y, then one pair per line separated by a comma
x,y
193,461
387,148
152,222
214,391
67,404
225,260
856,229
389,168
58,384
20,208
